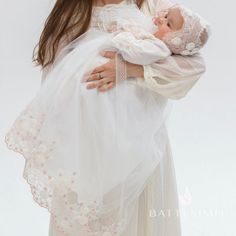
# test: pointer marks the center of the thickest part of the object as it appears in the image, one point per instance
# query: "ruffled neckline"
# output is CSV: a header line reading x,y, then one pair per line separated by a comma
x,y
110,4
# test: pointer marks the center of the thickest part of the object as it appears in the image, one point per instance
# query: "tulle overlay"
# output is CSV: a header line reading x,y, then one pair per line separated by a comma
x,y
89,154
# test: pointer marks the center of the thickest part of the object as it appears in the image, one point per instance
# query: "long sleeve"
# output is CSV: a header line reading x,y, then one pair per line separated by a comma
x,y
142,49
175,76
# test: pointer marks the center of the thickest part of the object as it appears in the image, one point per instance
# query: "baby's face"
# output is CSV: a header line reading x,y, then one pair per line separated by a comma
x,y
171,21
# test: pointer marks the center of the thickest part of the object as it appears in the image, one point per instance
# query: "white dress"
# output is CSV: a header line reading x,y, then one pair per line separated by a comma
x,y
99,162
155,208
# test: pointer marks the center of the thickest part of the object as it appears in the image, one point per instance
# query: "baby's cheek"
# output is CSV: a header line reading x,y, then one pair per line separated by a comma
x,y
163,31
160,33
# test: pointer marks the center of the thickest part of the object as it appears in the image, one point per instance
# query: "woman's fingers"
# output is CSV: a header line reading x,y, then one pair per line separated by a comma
x,y
106,86
103,81
105,67
91,86
107,71
99,83
99,69
92,77
108,54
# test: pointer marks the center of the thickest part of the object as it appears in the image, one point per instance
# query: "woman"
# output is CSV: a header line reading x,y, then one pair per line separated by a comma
x,y
157,209
148,198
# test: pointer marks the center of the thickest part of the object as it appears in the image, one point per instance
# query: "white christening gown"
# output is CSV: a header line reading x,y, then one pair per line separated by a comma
x,y
99,162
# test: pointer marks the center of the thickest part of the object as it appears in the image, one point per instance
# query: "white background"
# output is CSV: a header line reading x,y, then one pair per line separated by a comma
x,y
202,125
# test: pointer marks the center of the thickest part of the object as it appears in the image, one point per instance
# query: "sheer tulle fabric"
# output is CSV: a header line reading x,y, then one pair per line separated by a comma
x,y
156,210
89,154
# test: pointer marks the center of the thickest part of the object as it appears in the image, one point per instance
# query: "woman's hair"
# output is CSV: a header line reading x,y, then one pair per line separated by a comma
x,y
67,21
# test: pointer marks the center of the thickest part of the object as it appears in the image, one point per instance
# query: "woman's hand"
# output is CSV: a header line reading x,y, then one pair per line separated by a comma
x,y
107,78
107,72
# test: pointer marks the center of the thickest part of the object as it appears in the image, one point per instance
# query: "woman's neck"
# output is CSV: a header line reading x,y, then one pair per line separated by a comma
x,y
104,2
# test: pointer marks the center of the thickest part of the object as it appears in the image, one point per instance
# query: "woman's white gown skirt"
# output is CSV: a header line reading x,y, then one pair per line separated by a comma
x,y
157,211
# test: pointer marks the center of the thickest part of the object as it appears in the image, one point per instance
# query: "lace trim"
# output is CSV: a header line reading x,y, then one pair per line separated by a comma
x,y
121,70
55,190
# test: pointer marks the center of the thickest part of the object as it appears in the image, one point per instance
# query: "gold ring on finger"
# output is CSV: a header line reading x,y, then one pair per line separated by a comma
x,y
99,75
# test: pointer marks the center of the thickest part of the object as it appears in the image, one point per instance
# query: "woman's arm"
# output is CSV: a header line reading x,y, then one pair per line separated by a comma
x,y
175,76
172,78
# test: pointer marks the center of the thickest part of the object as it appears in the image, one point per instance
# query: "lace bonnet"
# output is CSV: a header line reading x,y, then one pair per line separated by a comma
x,y
191,37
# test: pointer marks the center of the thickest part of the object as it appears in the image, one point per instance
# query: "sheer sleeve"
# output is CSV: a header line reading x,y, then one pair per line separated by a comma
x,y
174,77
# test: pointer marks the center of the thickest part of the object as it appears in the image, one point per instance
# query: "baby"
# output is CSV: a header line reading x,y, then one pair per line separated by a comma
x,y
183,31
144,40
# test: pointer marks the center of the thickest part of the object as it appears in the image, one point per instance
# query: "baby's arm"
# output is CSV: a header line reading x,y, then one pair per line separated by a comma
x,y
144,49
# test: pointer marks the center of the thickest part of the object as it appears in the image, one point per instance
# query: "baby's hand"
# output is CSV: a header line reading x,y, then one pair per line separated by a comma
x,y
155,20
112,27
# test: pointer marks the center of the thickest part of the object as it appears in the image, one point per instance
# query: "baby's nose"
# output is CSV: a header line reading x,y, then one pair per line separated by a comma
x,y
158,20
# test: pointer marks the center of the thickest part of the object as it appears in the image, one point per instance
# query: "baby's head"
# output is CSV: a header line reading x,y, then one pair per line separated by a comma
x,y
183,31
